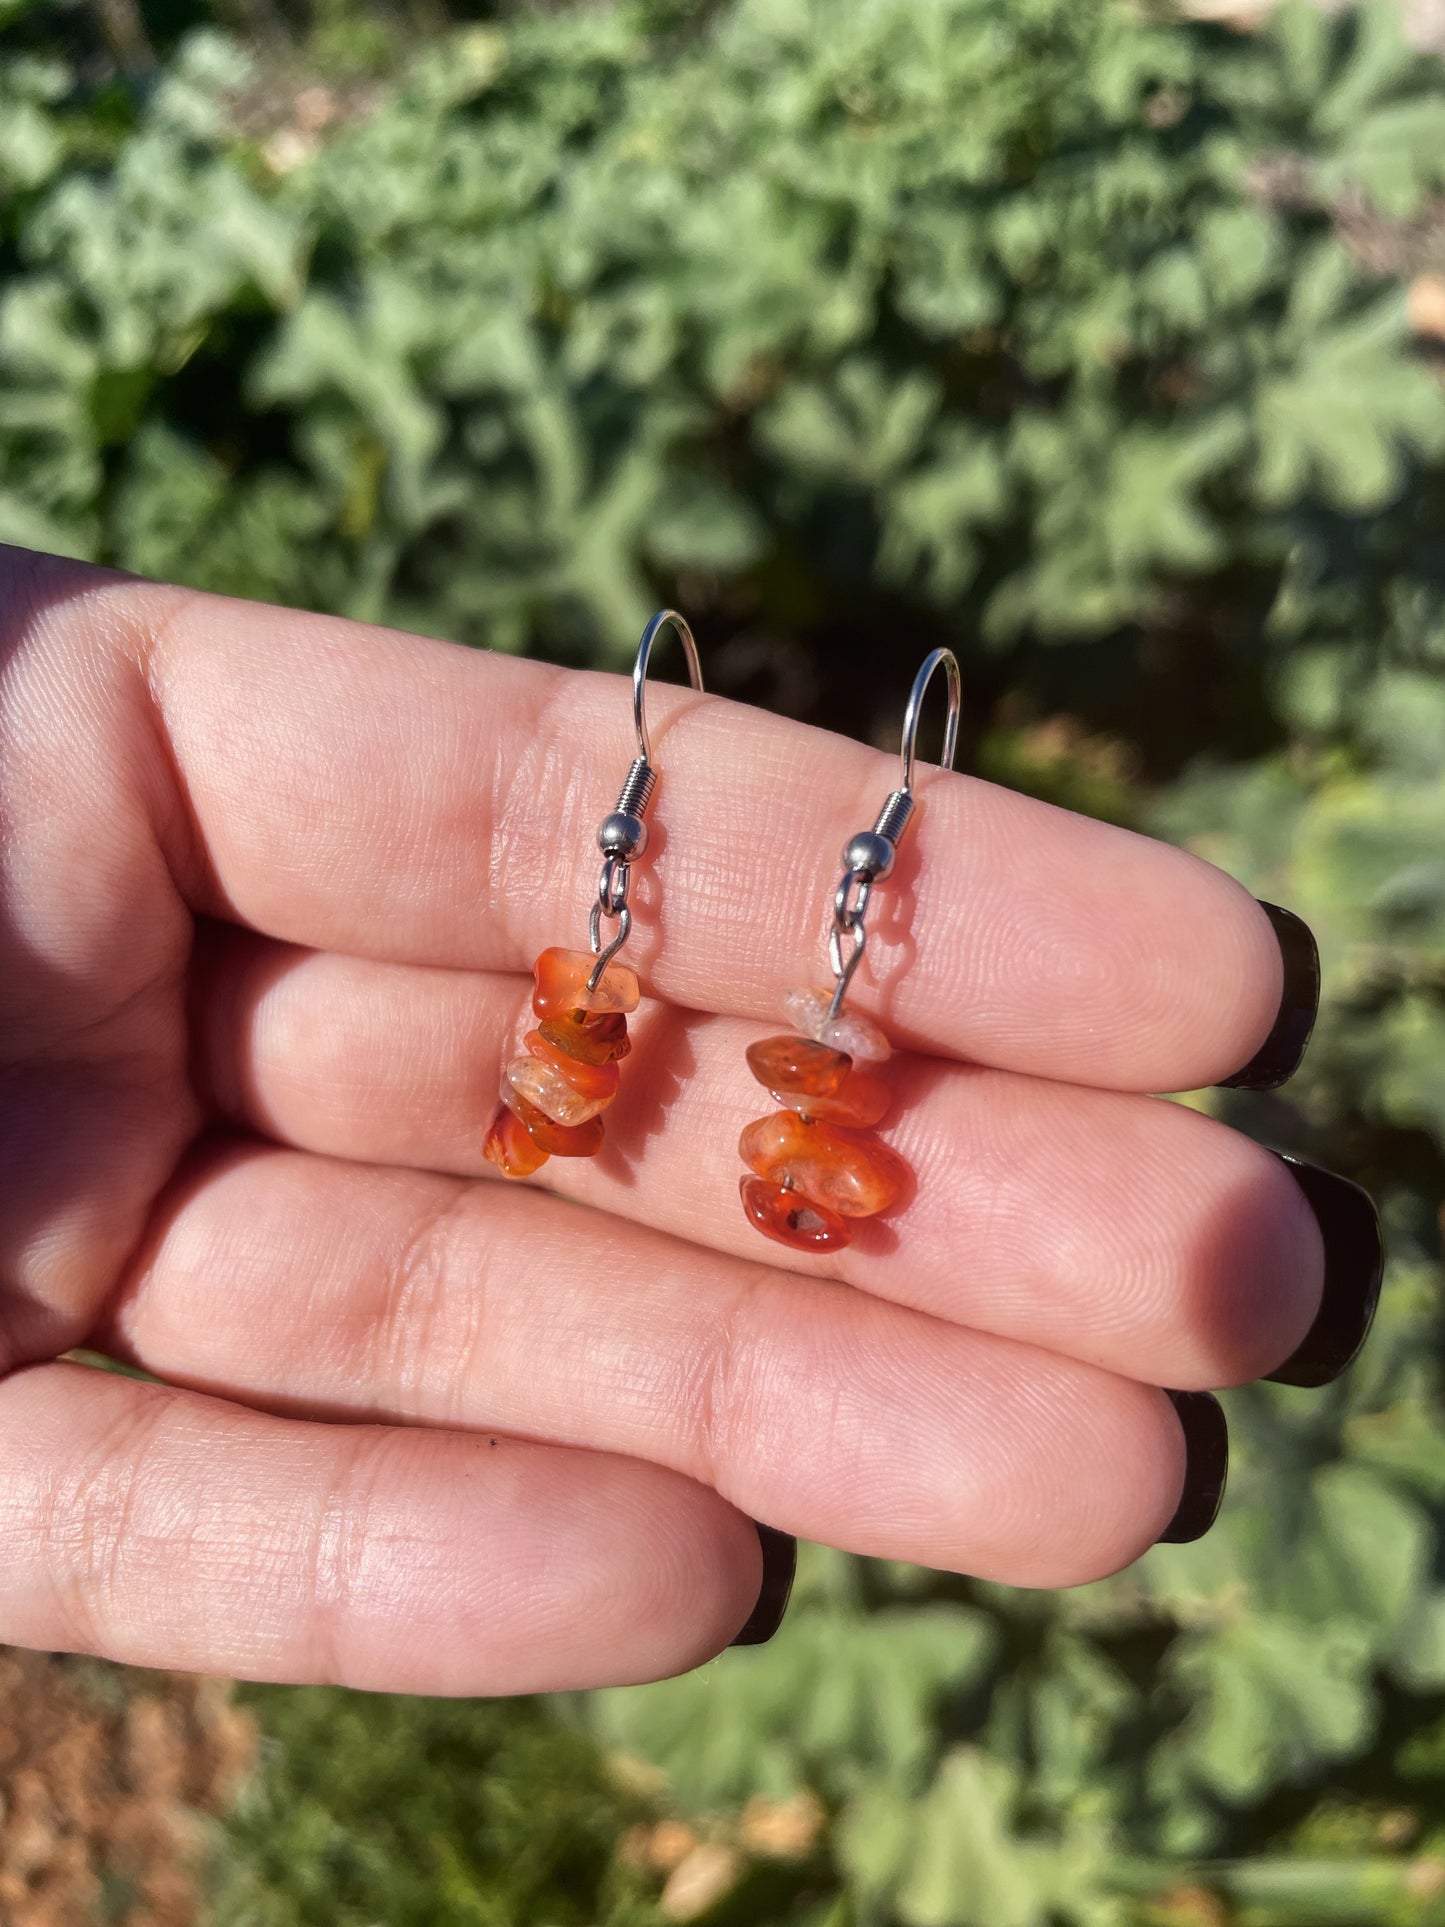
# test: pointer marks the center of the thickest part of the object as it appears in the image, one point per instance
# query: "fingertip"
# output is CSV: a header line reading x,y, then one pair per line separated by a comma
x,y
1347,1226
1205,1434
1252,1259
1117,1490
1151,1502
780,1565
713,1576
1292,1018
1229,954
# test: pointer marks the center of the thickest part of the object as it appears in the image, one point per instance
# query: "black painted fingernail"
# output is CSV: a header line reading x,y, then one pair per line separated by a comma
x,y
1206,1467
780,1562
1278,1057
1354,1265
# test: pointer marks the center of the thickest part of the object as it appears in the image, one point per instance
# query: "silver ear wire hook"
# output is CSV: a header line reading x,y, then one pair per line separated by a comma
x,y
869,856
639,672
936,659
622,837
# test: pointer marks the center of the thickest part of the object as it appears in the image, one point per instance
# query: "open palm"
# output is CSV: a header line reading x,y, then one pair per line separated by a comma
x,y
273,884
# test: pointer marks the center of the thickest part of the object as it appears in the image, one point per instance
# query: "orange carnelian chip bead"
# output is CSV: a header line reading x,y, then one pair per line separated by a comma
x,y
856,1177
791,1219
798,1064
862,1100
596,1037
560,1140
561,984
552,1092
511,1147
598,1081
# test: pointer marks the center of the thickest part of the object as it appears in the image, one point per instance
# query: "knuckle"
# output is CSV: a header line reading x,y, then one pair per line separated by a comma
x,y
90,1522
419,1310
721,1396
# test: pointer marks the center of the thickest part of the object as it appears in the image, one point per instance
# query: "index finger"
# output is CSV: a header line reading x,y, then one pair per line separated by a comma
x,y
354,789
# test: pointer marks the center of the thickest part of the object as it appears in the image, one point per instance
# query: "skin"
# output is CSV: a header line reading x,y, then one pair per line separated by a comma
x,y
272,886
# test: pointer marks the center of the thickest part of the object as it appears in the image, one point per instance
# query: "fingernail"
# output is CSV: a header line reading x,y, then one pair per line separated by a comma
x,y
1278,1057
1354,1265
780,1562
1206,1466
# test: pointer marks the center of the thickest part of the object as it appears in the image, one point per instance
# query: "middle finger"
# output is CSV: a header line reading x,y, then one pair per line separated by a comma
x,y
1124,1230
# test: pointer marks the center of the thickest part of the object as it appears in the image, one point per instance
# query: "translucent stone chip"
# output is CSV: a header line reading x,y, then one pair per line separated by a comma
x,y
558,1140
860,1101
854,1035
548,1090
560,978
798,1064
511,1147
854,1177
786,1218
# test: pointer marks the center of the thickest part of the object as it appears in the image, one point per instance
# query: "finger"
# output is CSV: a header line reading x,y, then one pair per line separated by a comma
x,y
1119,1229
823,1411
356,790
94,1104
166,1529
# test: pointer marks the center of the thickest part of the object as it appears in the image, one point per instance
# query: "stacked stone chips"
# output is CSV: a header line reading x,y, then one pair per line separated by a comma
x,y
815,1166
554,1096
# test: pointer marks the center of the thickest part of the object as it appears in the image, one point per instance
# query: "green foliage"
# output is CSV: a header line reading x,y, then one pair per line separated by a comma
x,y
978,306
1042,326
423,1813
839,1697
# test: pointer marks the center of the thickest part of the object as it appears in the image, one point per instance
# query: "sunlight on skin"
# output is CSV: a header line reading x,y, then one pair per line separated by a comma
x,y
278,877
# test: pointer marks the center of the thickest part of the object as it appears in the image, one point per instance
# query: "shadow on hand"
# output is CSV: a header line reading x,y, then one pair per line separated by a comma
x,y
94,1105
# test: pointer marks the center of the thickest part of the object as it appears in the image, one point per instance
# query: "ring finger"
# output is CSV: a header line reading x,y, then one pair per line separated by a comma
x,y
307,1285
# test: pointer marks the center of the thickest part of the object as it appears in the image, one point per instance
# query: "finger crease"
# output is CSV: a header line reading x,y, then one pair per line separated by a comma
x,y
418,1311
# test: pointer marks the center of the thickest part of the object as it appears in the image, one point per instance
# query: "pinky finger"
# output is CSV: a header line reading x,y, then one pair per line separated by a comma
x,y
169,1529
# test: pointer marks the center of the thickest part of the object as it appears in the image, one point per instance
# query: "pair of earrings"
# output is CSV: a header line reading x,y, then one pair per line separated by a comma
x,y
815,1167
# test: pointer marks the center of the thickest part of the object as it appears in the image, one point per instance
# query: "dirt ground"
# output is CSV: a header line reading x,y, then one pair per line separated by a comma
x,y
105,1781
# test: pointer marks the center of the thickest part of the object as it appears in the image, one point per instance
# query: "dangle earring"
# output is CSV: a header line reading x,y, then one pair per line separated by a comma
x,y
814,1166
553,1098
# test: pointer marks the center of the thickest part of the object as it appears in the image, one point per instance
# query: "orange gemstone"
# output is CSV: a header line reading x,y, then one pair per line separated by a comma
x,y
552,1092
862,1101
856,1177
510,1146
597,1081
600,1038
798,1064
561,984
560,1140
789,1219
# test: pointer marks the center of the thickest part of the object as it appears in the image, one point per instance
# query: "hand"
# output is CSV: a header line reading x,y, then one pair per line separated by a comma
x,y
273,884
